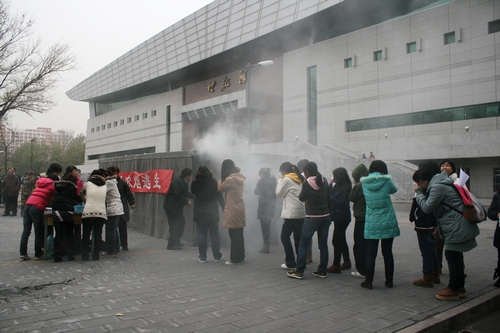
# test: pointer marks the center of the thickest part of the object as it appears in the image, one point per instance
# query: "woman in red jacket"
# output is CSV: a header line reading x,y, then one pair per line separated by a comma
x,y
33,211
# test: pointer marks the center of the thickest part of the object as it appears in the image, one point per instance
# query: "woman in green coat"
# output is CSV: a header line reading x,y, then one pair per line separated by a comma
x,y
380,221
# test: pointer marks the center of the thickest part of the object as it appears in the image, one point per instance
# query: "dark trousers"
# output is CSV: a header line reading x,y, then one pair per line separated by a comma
x,y
291,226
10,205
122,230
203,230
359,248
339,242
429,256
32,216
64,230
456,269
265,225
112,242
77,234
371,254
96,224
176,225
237,245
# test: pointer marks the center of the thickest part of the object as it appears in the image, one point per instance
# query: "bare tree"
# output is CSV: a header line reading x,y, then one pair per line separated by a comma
x,y
27,74
7,140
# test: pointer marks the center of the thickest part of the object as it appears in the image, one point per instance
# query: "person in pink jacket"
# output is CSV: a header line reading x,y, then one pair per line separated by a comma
x,y
33,211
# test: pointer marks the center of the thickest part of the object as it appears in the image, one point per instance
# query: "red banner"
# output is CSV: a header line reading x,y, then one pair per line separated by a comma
x,y
152,181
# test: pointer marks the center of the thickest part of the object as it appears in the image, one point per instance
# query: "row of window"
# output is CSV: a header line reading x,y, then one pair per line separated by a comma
x,y
122,121
425,117
449,38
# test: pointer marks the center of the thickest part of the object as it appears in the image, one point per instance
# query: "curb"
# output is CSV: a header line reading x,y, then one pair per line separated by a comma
x,y
459,316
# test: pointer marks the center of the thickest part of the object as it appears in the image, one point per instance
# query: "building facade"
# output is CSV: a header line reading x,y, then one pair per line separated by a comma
x,y
407,80
20,136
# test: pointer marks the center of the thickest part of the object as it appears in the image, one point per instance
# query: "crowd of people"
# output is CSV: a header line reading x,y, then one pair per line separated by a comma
x,y
310,204
106,198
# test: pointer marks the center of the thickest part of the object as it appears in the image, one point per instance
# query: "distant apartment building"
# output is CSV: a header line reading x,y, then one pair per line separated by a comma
x,y
45,134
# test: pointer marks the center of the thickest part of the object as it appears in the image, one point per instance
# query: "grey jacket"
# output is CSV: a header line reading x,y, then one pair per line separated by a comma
x,y
454,227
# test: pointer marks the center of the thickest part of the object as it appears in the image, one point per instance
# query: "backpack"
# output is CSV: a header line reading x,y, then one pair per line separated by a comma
x,y
474,209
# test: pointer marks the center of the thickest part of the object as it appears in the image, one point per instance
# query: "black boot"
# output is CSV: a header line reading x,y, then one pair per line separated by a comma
x,y
389,274
71,256
368,280
57,256
496,276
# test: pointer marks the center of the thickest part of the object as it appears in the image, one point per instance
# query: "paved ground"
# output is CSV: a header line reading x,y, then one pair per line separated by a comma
x,y
150,289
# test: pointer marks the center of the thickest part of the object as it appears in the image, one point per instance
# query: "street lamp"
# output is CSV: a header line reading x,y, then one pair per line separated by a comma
x,y
31,163
248,68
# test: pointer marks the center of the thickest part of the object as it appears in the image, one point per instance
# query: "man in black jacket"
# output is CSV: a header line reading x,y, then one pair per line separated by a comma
x,y
177,198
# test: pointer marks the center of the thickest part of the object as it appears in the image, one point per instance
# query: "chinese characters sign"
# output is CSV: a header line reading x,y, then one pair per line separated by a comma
x,y
152,181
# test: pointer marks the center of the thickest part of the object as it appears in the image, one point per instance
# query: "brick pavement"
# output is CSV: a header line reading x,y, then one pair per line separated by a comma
x,y
157,290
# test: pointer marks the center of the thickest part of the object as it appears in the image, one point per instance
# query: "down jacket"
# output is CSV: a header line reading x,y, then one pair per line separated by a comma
x,y
94,191
207,197
380,220
234,210
42,194
65,197
289,188
266,190
452,225
114,205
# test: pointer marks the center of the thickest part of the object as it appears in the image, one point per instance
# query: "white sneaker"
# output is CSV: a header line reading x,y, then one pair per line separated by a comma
x,y
357,274
284,266
202,261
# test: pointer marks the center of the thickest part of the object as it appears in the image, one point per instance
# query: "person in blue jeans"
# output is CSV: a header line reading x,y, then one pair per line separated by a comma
x,y
425,226
316,192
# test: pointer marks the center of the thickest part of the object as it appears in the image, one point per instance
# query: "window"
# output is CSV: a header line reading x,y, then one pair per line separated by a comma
x,y
348,63
136,117
109,125
425,117
145,115
496,179
92,130
115,123
493,26
122,121
312,105
103,127
449,38
153,113
129,119
377,55
97,129
411,47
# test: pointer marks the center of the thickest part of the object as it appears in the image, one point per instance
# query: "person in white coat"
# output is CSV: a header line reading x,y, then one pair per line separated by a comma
x,y
293,212
114,210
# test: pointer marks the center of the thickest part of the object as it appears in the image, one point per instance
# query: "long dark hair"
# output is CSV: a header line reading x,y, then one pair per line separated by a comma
x,y
312,170
227,168
378,166
342,180
265,172
203,173
287,167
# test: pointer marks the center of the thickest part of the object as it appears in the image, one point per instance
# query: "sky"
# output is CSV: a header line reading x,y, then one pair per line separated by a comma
x,y
98,31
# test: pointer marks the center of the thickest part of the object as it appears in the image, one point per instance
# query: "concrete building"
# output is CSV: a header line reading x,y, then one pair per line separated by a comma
x,y
20,136
406,80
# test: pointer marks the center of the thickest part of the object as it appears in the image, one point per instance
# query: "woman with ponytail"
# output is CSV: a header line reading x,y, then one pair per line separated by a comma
x,y
316,192
293,212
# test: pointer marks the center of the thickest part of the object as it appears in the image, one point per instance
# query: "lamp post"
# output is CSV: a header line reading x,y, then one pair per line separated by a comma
x,y
248,68
31,161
